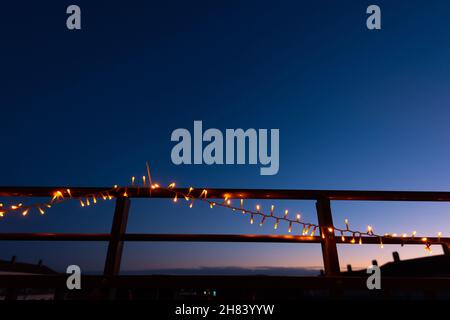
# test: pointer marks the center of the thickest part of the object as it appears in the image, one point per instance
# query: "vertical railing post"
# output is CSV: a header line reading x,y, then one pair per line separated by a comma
x,y
115,246
329,249
446,249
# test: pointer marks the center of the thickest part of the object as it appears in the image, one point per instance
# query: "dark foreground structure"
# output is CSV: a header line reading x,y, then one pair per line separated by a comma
x,y
333,283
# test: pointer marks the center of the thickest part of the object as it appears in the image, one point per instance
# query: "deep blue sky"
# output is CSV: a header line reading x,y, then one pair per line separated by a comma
x,y
356,109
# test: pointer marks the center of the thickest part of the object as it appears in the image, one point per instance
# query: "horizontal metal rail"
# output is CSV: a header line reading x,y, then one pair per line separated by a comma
x,y
143,237
281,194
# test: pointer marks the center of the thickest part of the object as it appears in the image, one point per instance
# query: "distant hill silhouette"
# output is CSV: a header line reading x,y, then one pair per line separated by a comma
x,y
278,271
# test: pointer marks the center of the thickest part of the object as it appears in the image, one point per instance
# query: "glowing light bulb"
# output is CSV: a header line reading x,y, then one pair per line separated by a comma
x,y
298,217
258,208
276,225
133,178
57,195
25,212
172,185
271,210
40,210
175,199
346,223
285,213
307,230
290,227
262,221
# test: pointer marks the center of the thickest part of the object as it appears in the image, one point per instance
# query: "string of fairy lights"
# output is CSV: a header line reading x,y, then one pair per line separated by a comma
x,y
256,216
307,228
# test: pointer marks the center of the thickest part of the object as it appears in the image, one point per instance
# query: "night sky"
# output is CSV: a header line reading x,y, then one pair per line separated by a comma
x,y
356,109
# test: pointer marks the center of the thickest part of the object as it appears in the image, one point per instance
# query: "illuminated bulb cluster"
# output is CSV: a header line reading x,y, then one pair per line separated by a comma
x,y
84,200
58,196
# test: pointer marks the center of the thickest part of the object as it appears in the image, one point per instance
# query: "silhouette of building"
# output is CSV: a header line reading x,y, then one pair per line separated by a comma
x,y
433,266
12,267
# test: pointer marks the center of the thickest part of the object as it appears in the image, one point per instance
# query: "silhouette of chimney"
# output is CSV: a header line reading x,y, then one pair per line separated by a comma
x,y
374,262
396,256
13,259
349,268
39,263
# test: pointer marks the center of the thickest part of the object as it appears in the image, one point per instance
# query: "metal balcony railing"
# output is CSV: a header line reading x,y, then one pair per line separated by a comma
x,y
118,236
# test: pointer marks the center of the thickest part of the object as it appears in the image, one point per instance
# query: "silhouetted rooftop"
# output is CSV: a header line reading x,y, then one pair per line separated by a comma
x,y
434,266
20,267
